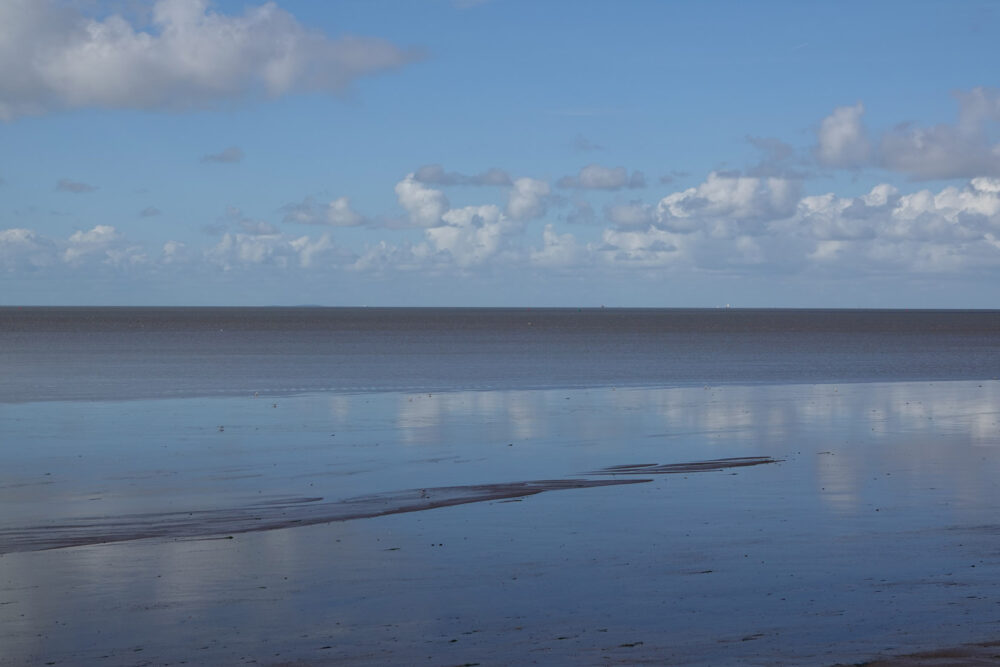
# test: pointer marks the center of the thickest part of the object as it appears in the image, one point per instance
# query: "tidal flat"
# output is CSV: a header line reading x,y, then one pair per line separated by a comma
x,y
864,527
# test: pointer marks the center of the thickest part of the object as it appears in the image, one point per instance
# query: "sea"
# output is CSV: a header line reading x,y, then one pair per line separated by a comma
x,y
113,353
458,486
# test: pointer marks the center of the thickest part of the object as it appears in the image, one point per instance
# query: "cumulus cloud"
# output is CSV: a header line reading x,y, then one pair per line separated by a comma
x,y
74,187
953,214
149,212
731,223
434,174
528,199
729,204
23,249
337,213
597,177
424,205
739,223
175,252
83,243
102,245
955,229
842,138
962,150
384,257
240,250
472,235
230,155
53,57
640,248
558,250
944,151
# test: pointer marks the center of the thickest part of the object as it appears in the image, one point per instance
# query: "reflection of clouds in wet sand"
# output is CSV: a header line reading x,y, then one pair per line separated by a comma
x,y
421,417
923,434
836,475
883,485
972,409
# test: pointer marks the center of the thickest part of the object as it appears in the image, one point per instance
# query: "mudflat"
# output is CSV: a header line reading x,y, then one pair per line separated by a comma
x,y
758,524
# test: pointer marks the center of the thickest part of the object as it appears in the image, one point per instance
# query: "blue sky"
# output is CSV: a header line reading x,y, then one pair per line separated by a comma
x,y
439,152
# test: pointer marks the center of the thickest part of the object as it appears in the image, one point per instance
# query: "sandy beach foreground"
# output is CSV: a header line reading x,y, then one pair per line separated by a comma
x,y
770,525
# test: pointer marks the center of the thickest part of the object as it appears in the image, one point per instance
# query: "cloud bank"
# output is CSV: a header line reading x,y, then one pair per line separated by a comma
x,y
729,223
53,57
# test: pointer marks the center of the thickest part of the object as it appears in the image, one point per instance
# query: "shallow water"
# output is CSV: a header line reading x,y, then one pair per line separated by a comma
x,y
876,532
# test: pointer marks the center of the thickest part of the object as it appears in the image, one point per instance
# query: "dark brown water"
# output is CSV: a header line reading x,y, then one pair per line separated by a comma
x,y
114,353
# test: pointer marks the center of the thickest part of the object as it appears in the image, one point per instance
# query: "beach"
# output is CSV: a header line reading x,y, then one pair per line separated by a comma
x,y
864,527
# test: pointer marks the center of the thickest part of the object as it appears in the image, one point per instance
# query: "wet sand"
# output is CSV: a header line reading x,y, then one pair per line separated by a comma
x,y
764,525
297,512
969,655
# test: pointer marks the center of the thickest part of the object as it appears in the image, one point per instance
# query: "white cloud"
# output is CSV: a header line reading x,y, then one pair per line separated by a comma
x,y
424,205
528,199
730,223
729,204
175,252
384,257
309,250
944,151
842,138
472,235
22,249
96,240
951,230
953,214
246,250
962,150
651,247
558,250
52,57
340,214
102,245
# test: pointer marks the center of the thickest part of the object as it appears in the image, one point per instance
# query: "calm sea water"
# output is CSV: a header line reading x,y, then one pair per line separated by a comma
x,y
114,353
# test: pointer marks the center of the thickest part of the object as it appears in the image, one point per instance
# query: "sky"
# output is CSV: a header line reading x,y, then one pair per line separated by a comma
x,y
500,153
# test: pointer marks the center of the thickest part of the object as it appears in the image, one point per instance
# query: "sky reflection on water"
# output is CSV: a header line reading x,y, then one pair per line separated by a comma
x,y
863,537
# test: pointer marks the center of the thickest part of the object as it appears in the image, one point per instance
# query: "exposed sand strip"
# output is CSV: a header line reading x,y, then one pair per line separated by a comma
x,y
291,512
